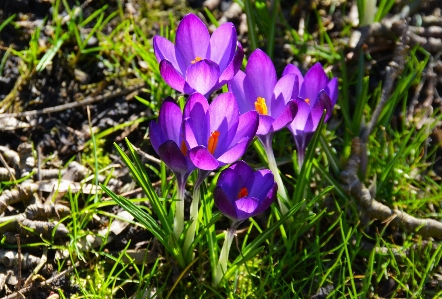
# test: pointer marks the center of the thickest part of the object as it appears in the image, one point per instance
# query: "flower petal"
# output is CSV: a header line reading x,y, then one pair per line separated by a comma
x,y
265,124
247,126
234,153
286,116
332,90
245,96
285,90
202,158
223,112
156,135
292,69
246,175
222,45
246,207
322,103
314,80
195,127
192,39
172,76
233,67
224,202
165,49
172,156
261,73
170,119
301,117
202,76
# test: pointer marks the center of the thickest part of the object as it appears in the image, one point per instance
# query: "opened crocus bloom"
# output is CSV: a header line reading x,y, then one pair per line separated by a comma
x,y
199,62
217,134
258,89
241,193
316,94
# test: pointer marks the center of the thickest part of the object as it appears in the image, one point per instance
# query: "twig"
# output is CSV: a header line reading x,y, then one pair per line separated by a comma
x,y
42,284
40,265
377,210
87,101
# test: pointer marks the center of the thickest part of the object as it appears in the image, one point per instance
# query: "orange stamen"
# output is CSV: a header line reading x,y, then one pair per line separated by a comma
x,y
183,148
307,100
243,192
213,142
196,59
260,106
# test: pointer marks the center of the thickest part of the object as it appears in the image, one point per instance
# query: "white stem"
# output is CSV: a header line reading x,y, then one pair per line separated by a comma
x,y
178,221
190,235
221,268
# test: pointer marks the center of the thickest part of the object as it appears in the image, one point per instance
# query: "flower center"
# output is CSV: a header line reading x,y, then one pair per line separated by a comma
x,y
183,148
260,106
213,141
307,100
243,193
196,59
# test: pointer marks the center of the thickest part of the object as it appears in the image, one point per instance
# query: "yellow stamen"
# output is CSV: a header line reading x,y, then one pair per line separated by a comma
x,y
213,142
183,148
197,59
260,106
243,192
307,100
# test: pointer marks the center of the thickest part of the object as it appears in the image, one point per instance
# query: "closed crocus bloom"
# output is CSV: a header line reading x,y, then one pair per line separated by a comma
x,y
242,193
217,134
316,94
199,62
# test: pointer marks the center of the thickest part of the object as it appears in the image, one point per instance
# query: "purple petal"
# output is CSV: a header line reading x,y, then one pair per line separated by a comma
x,y
332,90
223,112
156,135
172,156
195,127
285,90
302,139
247,126
314,81
223,45
246,175
292,69
224,203
263,181
265,124
261,73
192,40
233,67
301,117
202,158
165,49
234,153
202,76
245,96
268,200
171,119
322,103
286,117
172,76
246,207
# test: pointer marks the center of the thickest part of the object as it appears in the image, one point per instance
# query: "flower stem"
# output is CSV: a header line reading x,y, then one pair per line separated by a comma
x,y
190,235
301,156
178,221
282,194
221,268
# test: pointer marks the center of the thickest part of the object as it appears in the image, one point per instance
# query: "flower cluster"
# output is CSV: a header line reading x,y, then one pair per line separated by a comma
x,y
209,135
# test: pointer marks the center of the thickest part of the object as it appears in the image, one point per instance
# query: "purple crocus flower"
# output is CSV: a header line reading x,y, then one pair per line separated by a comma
x,y
199,62
217,134
316,93
258,89
242,193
